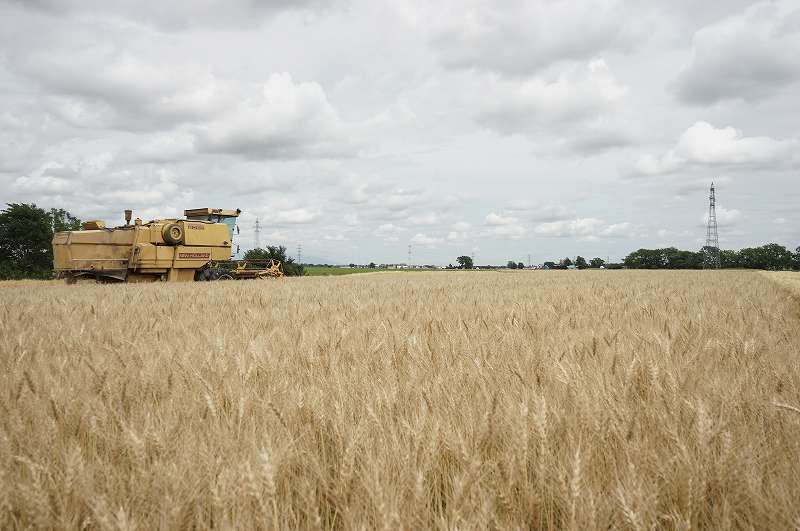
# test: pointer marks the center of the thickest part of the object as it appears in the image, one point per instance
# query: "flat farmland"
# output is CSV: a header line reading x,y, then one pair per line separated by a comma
x,y
505,400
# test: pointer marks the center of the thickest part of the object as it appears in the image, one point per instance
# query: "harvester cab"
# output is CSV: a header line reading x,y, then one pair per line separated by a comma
x,y
217,215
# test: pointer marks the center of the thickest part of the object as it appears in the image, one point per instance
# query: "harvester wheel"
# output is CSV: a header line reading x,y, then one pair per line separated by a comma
x,y
225,276
172,233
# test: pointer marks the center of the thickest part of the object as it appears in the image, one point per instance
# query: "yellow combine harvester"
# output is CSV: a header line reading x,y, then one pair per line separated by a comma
x,y
171,250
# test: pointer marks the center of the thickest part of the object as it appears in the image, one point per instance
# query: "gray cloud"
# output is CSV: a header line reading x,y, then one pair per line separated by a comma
x,y
524,37
177,14
285,120
747,56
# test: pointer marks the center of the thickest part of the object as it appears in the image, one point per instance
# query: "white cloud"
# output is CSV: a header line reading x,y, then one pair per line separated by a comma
x,y
357,195
511,231
42,184
523,37
746,56
616,229
725,216
496,219
425,218
294,216
649,164
579,93
455,236
388,231
704,144
284,120
400,199
539,212
167,147
584,228
110,86
425,240
104,85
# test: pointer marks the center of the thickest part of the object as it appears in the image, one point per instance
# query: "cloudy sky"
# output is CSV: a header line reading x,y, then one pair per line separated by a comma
x,y
357,127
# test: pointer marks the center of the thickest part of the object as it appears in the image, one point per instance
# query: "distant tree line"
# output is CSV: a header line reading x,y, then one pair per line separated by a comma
x,y
26,235
580,263
771,257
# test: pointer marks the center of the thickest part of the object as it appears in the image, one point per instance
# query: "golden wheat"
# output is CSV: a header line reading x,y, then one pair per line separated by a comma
x,y
581,400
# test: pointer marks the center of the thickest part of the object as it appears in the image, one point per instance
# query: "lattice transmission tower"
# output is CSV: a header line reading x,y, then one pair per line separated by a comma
x,y
257,231
711,259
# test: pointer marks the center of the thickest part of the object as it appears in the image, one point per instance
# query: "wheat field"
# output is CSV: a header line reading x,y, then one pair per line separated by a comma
x,y
474,400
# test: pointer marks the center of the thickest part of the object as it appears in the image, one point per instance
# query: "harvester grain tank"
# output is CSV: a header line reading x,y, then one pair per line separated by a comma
x,y
173,250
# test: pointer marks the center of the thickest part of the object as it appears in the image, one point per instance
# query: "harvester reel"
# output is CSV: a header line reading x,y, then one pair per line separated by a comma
x,y
172,234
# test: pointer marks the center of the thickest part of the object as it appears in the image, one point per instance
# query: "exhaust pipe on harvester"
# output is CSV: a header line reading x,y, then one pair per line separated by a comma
x,y
128,214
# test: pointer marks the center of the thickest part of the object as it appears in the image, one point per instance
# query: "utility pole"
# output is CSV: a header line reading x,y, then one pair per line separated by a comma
x,y
711,258
300,253
257,231
409,256
529,260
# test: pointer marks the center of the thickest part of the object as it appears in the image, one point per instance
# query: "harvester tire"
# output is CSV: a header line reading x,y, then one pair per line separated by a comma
x,y
172,234
225,276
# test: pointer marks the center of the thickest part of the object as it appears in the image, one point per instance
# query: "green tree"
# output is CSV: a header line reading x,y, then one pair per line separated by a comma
x,y
673,258
63,221
645,259
277,252
729,259
549,265
797,258
777,257
511,264
464,262
520,265
372,265
597,262
26,236
580,262
566,262
771,256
